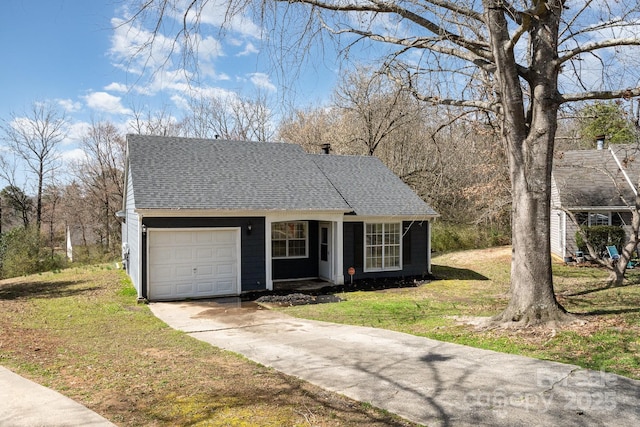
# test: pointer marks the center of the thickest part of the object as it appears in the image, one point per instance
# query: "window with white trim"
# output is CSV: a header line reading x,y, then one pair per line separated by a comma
x,y
382,246
290,239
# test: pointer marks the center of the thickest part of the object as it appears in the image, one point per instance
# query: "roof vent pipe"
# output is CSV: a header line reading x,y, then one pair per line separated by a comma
x,y
326,148
600,142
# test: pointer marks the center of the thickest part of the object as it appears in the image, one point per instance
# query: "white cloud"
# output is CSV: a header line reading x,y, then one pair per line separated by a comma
x,y
69,105
76,131
132,50
180,101
116,87
216,14
107,103
74,155
248,50
262,81
209,48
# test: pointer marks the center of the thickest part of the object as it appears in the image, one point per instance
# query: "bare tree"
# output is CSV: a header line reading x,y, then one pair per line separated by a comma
x,y
34,139
51,198
77,212
158,123
231,117
375,107
102,175
518,61
310,128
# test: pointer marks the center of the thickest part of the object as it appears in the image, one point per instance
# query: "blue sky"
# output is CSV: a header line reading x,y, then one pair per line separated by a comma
x,y
72,53
76,54
53,50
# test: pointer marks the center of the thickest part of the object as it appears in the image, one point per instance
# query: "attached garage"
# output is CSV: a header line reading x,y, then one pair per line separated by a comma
x,y
193,263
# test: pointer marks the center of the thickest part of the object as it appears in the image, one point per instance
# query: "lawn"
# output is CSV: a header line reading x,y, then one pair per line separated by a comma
x,y
472,285
81,332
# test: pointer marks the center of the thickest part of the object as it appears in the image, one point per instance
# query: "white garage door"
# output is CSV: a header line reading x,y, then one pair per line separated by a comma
x,y
195,263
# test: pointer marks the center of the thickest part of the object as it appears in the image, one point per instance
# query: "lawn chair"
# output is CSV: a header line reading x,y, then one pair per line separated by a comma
x,y
613,253
615,256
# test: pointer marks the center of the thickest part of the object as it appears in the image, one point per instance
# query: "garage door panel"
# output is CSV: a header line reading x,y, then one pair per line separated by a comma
x,y
184,289
204,253
162,253
185,238
225,285
204,237
163,239
183,272
225,269
225,253
183,254
163,291
193,263
204,271
225,237
205,288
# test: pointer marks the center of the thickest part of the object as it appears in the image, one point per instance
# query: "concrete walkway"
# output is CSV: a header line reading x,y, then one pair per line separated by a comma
x,y
24,403
422,380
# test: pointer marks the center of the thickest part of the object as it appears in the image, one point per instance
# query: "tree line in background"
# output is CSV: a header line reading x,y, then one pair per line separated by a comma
x,y
453,158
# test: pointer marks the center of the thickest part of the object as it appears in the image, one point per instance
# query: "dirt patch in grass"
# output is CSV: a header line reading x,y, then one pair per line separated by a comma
x,y
82,333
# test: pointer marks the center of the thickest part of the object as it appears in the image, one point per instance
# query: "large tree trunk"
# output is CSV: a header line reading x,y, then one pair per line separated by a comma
x,y
528,130
532,296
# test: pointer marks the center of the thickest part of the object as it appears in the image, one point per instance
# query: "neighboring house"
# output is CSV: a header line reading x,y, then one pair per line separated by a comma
x,y
596,186
206,218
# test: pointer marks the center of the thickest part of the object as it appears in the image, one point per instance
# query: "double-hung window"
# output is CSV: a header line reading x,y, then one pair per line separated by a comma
x,y
289,239
382,246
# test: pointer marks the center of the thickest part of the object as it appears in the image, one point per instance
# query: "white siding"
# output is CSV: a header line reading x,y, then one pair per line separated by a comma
x,y
131,236
557,229
556,232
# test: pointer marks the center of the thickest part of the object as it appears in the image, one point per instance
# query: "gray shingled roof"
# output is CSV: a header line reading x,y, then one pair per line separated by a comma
x,y
592,178
370,187
187,173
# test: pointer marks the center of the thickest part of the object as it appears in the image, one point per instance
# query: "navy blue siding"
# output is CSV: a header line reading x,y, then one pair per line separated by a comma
x,y
252,268
414,263
300,267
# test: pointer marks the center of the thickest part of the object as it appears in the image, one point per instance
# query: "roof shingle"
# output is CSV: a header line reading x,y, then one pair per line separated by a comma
x,y
370,187
189,173
592,178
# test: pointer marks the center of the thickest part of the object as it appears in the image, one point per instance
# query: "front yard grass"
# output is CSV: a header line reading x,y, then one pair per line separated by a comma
x,y
475,284
81,332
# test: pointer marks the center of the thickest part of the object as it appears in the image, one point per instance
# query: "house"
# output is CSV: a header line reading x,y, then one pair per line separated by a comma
x,y
597,186
204,218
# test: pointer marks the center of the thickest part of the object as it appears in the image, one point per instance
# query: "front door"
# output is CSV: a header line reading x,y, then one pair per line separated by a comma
x,y
324,264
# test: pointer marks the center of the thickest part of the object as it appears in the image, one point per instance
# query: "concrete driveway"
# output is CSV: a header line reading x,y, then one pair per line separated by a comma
x,y
24,403
422,380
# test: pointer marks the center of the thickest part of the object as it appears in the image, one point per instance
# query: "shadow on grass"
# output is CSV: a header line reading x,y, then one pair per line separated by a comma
x,y
442,272
602,288
42,290
612,311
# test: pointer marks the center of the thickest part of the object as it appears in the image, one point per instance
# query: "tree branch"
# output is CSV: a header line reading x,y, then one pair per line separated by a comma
x,y
600,95
590,47
479,48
